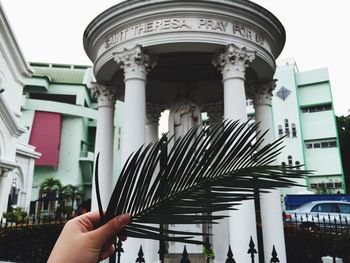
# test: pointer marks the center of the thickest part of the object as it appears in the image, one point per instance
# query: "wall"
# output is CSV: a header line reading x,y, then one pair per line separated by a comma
x,y
319,126
15,158
286,107
68,170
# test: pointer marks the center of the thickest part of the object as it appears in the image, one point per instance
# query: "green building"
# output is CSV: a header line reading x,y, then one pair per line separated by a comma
x,y
58,112
303,112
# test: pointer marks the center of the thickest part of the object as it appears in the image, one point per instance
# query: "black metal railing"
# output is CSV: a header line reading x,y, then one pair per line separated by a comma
x,y
307,240
311,237
336,225
186,258
28,240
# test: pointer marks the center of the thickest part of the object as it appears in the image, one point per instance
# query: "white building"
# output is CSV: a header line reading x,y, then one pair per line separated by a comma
x,y
16,159
185,55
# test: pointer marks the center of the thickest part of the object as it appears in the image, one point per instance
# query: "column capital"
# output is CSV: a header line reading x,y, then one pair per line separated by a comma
x,y
135,62
106,94
153,111
215,111
261,91
4,172
233,61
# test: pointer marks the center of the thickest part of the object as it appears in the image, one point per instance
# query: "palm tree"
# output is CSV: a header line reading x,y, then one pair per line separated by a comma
x,y
206,171
50,188
343,127
73,193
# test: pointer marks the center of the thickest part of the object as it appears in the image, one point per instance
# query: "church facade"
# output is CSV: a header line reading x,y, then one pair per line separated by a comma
x,y
16,158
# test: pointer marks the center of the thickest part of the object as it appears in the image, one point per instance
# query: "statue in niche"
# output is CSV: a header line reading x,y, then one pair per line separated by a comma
x,y
184,115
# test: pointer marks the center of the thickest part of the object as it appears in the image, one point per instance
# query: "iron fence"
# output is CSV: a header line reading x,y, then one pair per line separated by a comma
x,y
32,240
329,224
311,237
29,240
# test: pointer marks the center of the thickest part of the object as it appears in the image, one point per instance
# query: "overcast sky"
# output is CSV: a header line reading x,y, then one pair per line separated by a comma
x,y
317,34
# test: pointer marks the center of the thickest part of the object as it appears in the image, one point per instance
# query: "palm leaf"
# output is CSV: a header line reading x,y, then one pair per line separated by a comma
x,y
206,171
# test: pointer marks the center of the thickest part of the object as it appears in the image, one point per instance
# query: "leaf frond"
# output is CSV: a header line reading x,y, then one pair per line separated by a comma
x,y
206,171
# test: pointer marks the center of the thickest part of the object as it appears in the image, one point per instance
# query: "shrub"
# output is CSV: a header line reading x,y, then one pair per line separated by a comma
x,y
16,215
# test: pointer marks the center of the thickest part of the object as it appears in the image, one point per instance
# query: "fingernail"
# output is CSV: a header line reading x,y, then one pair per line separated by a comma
x,y
124,219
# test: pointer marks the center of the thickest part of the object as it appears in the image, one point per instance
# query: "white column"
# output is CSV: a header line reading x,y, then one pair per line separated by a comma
x,y
220,240
152,124
30,176
136,65
242,222
270,203
4,190
106,99
153,112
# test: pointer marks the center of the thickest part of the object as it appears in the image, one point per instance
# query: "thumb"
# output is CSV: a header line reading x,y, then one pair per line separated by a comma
x,y
110,230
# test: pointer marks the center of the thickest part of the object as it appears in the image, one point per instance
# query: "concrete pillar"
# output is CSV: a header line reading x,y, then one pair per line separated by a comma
x,y
221,237
4,190
30,177
242,222
153,112
270,203
106,99
136,65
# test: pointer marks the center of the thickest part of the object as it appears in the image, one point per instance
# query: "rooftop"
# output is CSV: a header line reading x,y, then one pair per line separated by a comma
x,y
60,73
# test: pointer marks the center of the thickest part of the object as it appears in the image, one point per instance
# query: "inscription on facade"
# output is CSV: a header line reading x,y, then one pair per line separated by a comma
x,y
184,24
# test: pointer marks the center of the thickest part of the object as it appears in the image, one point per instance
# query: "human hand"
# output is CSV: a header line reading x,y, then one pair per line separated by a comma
x,y
79,242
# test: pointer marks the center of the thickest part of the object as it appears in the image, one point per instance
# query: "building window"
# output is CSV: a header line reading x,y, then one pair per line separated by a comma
x,y
297,164
118,143
316,108
119,136
290,160
46,205
283,167
249,102
324,144
338,185
332,144
321,144
328,185
294,130
313,186
286,127
280,130
14,192
309,145
321,186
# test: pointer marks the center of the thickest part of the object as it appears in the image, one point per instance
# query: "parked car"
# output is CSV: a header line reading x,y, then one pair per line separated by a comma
x,y
320,214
